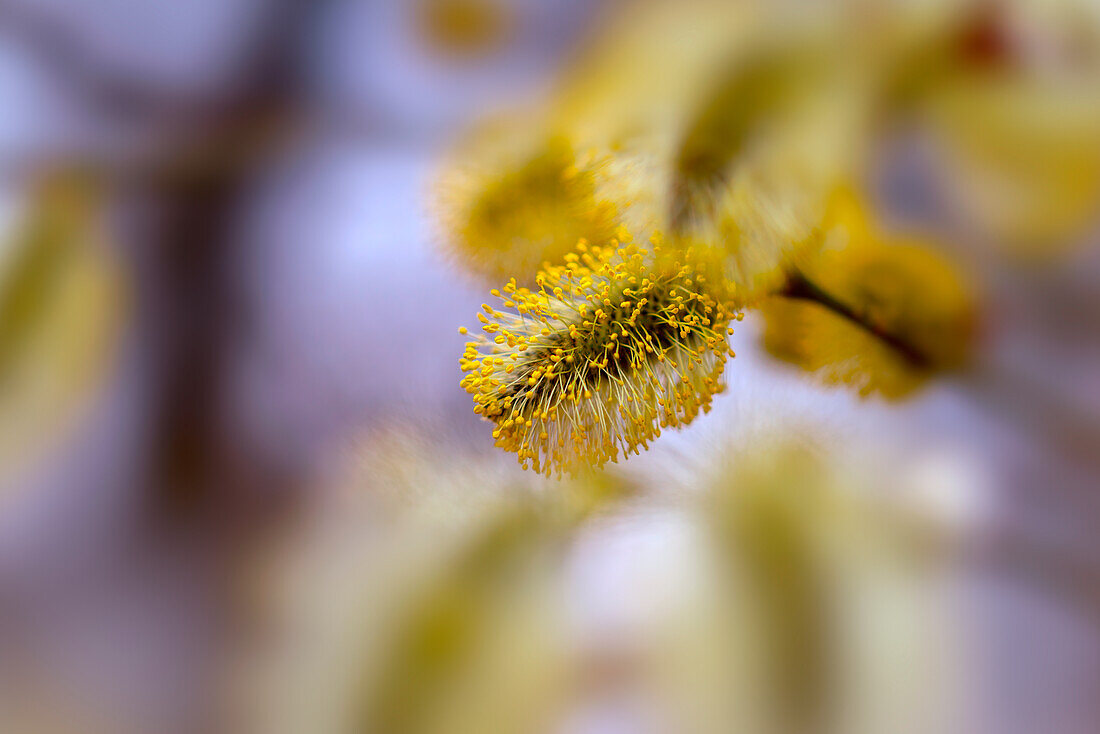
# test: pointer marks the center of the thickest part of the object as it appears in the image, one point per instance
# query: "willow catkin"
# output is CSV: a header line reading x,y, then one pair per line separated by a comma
x,y
610,347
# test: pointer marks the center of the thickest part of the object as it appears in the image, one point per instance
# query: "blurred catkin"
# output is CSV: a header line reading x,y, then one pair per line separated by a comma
x,y
878,314
512,200
61,306
442,616
816,578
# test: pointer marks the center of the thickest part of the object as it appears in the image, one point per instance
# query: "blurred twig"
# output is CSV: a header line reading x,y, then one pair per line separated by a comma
x,y
198,463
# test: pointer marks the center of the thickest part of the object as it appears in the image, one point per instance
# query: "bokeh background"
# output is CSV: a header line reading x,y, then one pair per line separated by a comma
x,y
243,491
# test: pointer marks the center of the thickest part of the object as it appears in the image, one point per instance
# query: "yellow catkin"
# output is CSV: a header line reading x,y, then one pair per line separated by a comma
x,y
607,349
505,206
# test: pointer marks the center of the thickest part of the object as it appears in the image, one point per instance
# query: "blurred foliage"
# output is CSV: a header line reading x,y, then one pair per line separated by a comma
x,y
61,306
